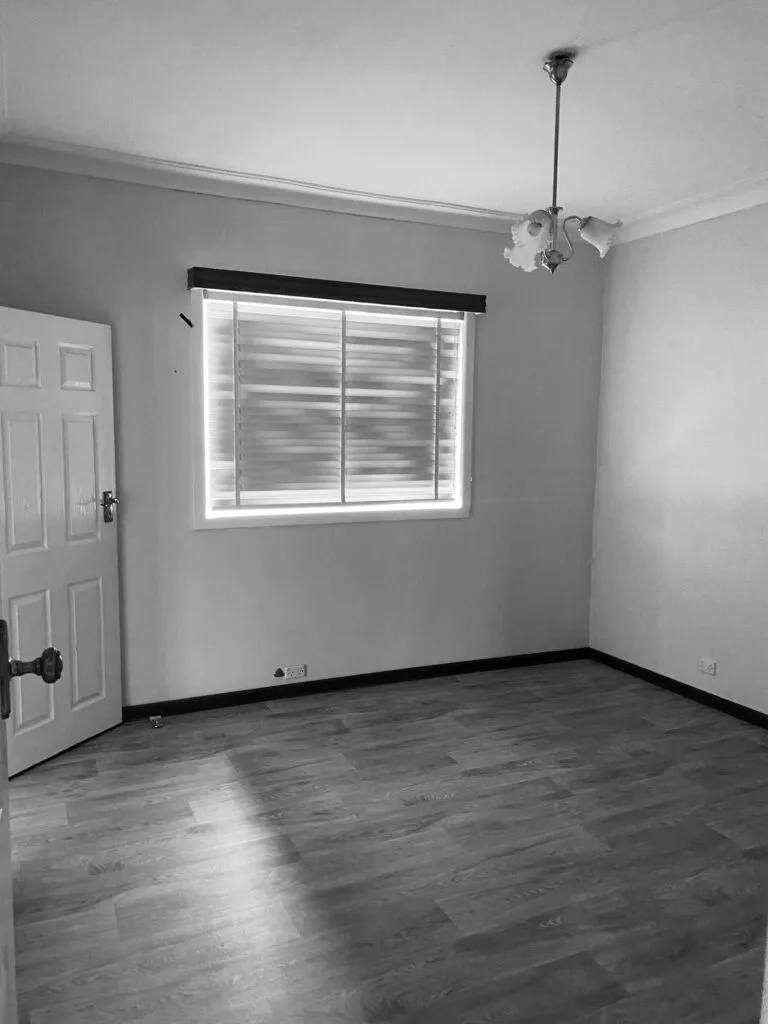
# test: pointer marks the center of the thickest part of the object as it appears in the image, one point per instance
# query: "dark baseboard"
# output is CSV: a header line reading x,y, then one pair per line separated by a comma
x,y
684,689
232,699
316,686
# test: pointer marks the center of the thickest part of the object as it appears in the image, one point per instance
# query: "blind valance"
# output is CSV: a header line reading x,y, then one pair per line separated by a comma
x,y
215,279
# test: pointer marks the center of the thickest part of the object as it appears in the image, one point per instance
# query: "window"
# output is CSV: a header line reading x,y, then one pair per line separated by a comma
x,y
328,410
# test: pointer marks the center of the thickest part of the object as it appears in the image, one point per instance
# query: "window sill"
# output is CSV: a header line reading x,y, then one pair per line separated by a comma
x,y
316,517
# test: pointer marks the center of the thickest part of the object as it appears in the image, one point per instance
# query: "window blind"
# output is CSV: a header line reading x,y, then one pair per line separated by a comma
x,y
317,405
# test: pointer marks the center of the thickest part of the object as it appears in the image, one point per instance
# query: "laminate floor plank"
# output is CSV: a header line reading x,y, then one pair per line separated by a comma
x,y
531,846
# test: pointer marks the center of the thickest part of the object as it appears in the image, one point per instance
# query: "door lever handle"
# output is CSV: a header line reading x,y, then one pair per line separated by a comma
x,y
49,666
108,501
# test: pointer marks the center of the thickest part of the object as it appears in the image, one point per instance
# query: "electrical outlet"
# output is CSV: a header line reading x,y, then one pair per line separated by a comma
x,y
709,666
292,671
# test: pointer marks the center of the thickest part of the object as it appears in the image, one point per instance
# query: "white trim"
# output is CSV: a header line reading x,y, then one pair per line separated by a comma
x,y
317,518
743,195
198,409
464,403
213,181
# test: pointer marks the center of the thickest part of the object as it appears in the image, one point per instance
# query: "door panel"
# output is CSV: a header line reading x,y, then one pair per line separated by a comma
x,y
19,365
58,558
86,631
76,365
81,479
24,481
29,627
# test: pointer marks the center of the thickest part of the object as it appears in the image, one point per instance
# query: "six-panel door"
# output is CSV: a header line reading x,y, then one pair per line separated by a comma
x,y
58,558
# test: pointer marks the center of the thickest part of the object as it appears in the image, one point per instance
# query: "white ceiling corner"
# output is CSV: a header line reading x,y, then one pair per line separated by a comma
x,y
743,195
430,110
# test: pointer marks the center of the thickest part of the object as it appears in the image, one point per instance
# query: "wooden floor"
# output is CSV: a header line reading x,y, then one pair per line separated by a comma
x,y
562,844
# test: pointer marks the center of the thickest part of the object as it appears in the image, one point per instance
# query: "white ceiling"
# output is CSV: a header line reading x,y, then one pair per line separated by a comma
x,y
436,100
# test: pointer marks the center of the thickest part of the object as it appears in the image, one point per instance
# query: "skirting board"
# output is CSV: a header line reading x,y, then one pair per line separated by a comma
x,y
235,697
684,689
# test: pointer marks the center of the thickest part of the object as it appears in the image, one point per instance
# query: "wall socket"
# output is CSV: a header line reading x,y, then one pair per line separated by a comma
x,y
709,666
291,672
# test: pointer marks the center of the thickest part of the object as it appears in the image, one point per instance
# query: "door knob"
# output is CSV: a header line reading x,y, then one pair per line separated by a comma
x,y
49,666
108,500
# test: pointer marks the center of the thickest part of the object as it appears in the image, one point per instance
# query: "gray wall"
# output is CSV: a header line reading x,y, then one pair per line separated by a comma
x,y
208,611
680,542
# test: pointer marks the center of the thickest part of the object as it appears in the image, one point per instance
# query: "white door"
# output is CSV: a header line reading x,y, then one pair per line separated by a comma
x,y
7,963
58,555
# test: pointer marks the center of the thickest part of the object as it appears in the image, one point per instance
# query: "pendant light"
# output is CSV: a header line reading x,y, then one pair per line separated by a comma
x,y
535,236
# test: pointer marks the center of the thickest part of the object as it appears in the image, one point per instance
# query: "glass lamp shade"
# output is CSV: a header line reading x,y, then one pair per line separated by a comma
x,y
599,233
530,237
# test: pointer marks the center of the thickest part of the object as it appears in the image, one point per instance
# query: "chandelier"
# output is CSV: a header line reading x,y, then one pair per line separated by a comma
x,y
535,236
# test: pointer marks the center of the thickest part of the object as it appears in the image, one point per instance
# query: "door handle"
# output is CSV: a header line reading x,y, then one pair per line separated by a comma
x,y
108,500
49,666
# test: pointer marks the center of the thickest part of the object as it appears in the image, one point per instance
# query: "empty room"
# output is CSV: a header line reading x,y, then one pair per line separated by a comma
x,y
383,502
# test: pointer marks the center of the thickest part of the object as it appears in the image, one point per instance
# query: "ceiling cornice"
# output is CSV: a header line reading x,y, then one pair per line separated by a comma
x,y
169,174
741,196
114,166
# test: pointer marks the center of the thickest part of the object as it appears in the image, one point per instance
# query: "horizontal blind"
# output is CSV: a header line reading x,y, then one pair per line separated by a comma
x,y
220,389
450,396
289,371
318,406
390,387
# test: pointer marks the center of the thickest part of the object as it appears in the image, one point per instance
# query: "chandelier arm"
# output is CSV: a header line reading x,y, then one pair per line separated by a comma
x,y
568,238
